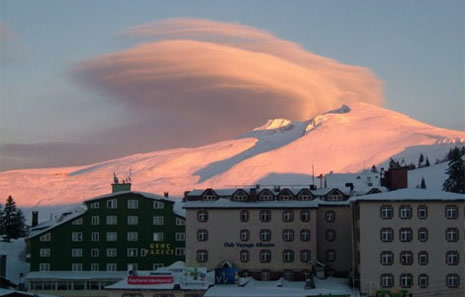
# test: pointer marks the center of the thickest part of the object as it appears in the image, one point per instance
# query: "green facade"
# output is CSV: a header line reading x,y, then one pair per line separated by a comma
x,y
164,252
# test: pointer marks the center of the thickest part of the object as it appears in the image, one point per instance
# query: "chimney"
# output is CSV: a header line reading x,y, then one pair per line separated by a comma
x,y
277,189
257,186
166,194
35,218
121,187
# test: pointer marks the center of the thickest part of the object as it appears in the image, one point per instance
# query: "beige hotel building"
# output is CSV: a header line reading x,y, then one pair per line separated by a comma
x,y
410,239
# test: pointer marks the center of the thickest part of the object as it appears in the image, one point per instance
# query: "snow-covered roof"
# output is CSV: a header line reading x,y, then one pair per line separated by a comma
x,y
281,288
76,275
144,194
63,218
80,210
176,270
411,194
8,292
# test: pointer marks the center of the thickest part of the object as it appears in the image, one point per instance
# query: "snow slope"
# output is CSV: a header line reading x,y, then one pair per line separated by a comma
x,y
345,140
16,258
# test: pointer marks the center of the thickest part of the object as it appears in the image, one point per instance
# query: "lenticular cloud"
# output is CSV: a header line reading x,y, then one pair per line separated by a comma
x,y
218,71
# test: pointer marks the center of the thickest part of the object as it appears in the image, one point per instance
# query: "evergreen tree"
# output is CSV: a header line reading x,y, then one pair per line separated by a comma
x,y
456,174
2,230
421,159
427,162
423,183
13,222
374,169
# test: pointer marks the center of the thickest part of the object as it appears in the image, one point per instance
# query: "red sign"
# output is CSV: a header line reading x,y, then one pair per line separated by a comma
x,y
150,280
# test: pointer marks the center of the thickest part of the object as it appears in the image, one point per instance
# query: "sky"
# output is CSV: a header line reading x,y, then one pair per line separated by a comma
x,y
87,81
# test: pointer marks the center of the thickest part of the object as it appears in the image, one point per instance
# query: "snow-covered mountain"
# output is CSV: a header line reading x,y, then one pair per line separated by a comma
x,y
345,140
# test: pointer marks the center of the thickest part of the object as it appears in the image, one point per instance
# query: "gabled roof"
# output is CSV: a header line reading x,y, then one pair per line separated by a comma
x,y
80,210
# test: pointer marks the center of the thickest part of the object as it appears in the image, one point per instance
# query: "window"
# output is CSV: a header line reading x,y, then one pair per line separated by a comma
x,y
179,251
265,256
95,205
405,234
158,220
112,220
423,258
406,258
387,258
77,221
132,252
386,212
244,256
265,196
202,235
423,234
112,252
202,216
132,236
45,253
244,216
305,215
133,204
305,235
422,212
95,220
112,203
94,252
245,235
46,237
265,216
111,267
406,280
330,216
202,256
158,205
112,236
76,266
330,255
452,280
423,280
288,235
387,234
44,266
405,212
155,266
452,258
209,197
240,196
387,280
265,235
265,275
133,220
180,222
452,234
288,216
305,256
95,236
180,236
76,236
288,256
76,252
452,212
94,267
158,236
330,235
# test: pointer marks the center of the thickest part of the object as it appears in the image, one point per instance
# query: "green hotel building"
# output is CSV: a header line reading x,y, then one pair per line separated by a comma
x,y
103,239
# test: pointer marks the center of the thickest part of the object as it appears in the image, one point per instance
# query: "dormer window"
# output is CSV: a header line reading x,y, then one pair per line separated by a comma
x,y
334,197
266,195
209,197
240,195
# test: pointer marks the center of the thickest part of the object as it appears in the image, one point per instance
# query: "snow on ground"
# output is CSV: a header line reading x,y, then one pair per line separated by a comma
x,y
15,250
345,140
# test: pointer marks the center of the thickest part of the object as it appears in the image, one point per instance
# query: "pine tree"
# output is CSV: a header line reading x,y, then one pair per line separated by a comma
x,y
456,174
421,159
427,164
13,222
374,169
423,183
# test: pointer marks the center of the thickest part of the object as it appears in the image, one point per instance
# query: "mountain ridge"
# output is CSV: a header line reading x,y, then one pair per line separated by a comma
x,y
347,139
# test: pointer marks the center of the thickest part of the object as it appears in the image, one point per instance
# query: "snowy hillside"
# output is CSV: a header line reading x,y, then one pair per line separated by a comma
x,y
16,259
345,140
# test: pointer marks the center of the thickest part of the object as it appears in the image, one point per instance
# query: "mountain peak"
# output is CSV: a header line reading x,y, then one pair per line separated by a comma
x,y
275,124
